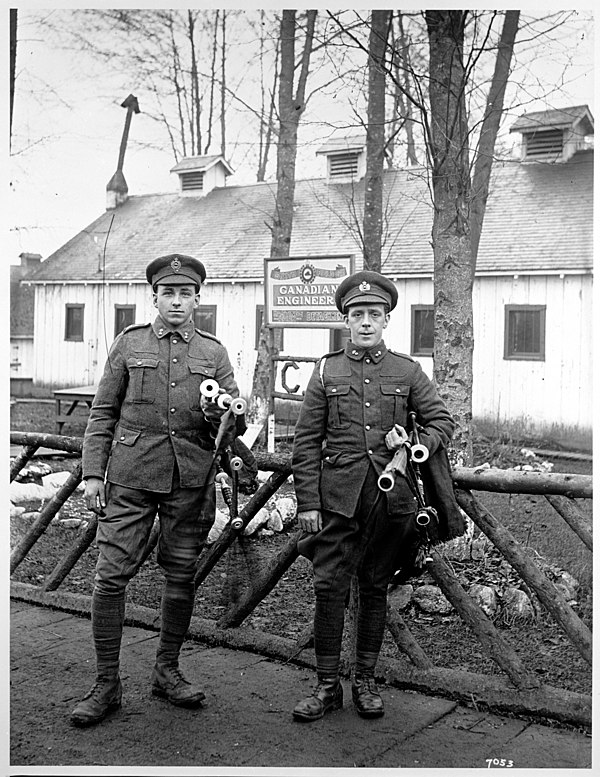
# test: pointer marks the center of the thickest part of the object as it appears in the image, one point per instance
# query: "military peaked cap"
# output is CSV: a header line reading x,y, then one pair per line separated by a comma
x,y
364,287
175,269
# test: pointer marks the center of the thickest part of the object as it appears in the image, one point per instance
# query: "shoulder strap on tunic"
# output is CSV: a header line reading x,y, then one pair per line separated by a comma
x,y
322,361
134,326
209,335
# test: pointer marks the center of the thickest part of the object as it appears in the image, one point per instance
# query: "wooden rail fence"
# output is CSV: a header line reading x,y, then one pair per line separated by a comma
x,y
518,690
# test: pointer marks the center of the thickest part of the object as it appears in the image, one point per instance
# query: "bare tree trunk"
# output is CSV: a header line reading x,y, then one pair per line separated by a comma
x,y
196,141
373,215
489,129
291,107
453,273
266,125
213,75
223,80
13,59
402,106
178,87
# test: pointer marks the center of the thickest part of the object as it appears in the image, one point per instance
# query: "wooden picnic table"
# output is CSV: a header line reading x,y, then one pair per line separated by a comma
x,y
84,394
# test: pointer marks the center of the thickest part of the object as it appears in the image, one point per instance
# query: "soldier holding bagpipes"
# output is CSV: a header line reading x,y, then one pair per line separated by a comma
x,y
149,449
354,415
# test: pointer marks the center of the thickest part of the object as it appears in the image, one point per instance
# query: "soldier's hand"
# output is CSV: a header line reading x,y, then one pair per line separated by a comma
x,y
95,495
396,438
212,411
310,520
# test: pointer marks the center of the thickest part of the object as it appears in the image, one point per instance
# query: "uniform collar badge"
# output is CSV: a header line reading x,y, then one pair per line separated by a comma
x,y
365,286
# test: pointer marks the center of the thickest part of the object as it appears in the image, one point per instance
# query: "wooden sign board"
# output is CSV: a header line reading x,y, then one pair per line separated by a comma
x,y
300,290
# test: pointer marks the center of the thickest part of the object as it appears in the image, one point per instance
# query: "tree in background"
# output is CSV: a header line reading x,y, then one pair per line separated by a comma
x,y
13,59
440,98
451,232
193,70
373,211
455,217
292,103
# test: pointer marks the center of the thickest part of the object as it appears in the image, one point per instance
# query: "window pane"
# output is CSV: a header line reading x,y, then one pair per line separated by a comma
x,y
74,322
205,318
124,316
525,332
339,338
260,317
422,330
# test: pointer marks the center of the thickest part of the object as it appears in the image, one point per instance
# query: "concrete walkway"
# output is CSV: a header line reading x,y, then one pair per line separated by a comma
x,y
245,725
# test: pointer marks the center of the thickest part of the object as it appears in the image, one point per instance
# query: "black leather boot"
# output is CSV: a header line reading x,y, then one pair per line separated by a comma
x,y
171,684
365,694
102,698
326,697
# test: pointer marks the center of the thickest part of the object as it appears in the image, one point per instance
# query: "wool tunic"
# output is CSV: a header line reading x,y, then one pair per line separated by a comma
x,y
146,415
354,397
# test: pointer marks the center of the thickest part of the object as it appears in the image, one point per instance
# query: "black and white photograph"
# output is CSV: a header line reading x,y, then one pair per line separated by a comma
x,y
300,390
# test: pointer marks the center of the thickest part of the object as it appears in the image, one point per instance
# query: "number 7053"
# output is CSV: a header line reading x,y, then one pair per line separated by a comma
x,y
498,762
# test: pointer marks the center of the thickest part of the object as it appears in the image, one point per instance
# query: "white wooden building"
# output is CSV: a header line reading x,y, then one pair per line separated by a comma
x,y
21,326
532,295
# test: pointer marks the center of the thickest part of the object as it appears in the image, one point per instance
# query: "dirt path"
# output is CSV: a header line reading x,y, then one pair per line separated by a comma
x,y
246,720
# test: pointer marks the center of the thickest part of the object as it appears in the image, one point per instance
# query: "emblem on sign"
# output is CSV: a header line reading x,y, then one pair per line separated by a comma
x,y
365,286
307,273
176,264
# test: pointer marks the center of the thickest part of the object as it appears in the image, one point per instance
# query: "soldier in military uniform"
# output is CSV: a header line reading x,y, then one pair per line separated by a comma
x,y
147,450
352,418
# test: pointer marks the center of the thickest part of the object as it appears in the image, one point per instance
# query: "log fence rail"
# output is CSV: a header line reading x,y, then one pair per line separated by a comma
x,y
519,691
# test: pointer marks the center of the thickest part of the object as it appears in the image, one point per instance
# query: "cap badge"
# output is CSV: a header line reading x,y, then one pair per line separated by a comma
x,y
176,264
365,286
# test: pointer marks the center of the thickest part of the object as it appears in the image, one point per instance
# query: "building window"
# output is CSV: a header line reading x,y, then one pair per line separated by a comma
x,y
205,318
277,332
525,332
338,338
74,322
421,341
124,316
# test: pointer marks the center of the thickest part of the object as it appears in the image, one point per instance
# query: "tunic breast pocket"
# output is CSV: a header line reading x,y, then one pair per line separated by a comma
x,y
394,404
199,371
142,379
338,403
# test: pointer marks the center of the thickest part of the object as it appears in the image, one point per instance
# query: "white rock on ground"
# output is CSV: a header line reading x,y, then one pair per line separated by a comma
x,y
400,597
29,492
259,520
275,521
220,522
431,599
516,602
486,598
57,479
286,506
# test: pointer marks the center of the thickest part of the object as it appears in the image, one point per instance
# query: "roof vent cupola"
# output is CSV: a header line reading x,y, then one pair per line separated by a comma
x,y
199,175
554,135
346,158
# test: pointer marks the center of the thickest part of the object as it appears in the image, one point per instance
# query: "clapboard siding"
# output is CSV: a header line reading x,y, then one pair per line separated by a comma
x,y
540,393
536,393
21,357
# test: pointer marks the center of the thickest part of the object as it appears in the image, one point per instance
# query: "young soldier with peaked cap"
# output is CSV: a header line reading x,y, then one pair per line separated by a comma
x,y
150,436
353,416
